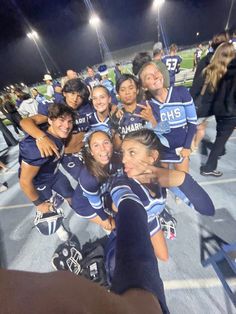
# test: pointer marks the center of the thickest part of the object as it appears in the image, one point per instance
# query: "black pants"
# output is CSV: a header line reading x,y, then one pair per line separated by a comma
x,y
224,128
8,137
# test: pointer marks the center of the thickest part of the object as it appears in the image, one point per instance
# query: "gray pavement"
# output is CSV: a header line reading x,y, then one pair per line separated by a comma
x,y
190,288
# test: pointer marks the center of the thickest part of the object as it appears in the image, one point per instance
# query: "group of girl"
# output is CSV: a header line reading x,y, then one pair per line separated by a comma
x,y
125,156
128,149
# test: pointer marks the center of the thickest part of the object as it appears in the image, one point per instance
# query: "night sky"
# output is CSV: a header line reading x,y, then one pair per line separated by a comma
x,y
72,43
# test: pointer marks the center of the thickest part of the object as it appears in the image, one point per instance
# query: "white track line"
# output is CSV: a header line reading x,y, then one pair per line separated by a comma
x,y
196,283
15,206
217,181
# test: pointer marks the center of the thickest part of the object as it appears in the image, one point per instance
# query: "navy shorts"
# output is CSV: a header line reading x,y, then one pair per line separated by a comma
x,y
171,155
59,184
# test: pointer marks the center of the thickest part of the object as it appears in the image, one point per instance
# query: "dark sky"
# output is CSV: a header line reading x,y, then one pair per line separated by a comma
x,y
72,43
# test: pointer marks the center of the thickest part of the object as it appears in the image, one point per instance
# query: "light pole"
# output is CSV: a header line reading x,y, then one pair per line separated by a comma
x,y
95,22
33,35
157,5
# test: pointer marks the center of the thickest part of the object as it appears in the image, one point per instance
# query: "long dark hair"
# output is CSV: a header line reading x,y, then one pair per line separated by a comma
x,y
101,173
146,137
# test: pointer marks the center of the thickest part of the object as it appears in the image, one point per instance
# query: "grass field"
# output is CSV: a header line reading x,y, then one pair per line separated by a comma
x,y
187,63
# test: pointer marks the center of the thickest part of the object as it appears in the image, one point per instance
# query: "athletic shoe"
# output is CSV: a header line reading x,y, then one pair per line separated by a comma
x,y
214,173
3,186
63,235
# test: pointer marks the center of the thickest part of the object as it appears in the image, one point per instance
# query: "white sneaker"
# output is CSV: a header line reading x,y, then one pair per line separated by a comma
x,y
63,235
3,187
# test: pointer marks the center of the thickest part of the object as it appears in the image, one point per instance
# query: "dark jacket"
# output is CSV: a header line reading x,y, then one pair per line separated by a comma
x,y
224,103
199,79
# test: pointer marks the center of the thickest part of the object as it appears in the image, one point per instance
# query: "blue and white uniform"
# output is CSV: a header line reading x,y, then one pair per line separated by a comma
x,y
152,198
172,63
95,124
72,162
87,200
84,109
49,177
179,111
93,81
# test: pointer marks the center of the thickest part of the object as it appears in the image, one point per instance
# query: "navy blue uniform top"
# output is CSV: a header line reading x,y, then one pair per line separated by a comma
x,y
129,122
172,63
95,124
81,119
151,197
179,111
30,154
93,81
87,200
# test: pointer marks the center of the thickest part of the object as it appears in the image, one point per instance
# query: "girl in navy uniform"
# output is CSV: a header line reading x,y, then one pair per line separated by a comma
x,y
145,184
131,116
176,106
99,119
100,164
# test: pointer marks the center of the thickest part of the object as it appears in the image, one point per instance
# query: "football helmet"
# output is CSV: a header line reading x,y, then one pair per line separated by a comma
x,y
48,223
68,257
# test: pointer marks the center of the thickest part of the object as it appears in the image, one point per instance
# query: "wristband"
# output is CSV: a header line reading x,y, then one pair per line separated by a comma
x,y
39,139
38,201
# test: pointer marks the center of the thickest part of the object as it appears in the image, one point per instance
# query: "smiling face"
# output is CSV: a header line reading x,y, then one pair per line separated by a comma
x,y
134,155
101,100
128,92
152,79
61,126
101,148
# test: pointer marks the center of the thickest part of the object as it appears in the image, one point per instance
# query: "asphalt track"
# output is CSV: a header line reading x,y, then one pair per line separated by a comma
x,y
190,288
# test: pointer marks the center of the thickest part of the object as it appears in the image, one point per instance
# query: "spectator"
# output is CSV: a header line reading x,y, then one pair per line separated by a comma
x,y
105,81
157,51
220,78
92,79
10,112
28,106
197,56
117,71
48,80
37,96
70,74
197,86
139,60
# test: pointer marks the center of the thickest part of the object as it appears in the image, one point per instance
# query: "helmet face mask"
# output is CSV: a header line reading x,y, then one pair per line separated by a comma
x,y
48,223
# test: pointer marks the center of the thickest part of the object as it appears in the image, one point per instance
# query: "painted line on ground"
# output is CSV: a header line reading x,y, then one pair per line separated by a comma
x,y
196,283
217,181
6,172
15,206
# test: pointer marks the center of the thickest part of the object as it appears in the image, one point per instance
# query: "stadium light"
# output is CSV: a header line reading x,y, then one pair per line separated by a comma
x,y
95,22
197,34
158,3
33,35
156,6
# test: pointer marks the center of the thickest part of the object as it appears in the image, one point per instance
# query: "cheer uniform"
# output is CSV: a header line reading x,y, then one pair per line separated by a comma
x,y
152,198
88,198
179,111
